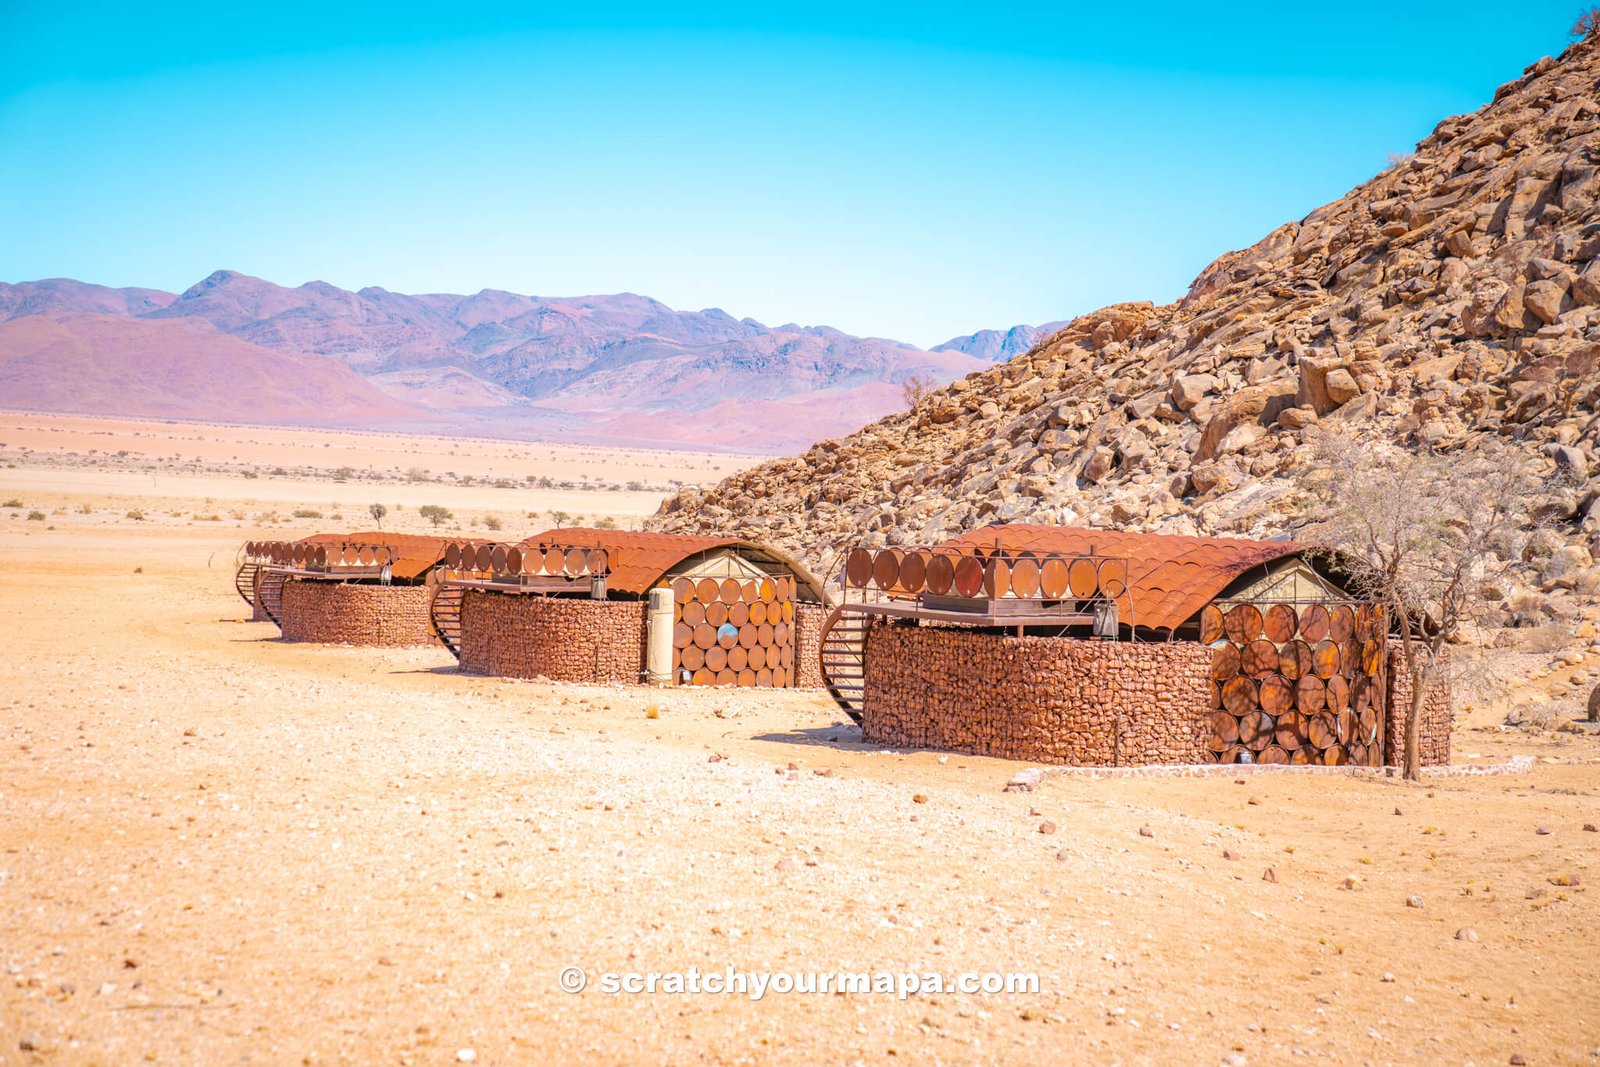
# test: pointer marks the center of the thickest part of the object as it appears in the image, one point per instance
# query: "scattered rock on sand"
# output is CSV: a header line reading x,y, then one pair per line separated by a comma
x,y
1413,901
1466,933
1145,831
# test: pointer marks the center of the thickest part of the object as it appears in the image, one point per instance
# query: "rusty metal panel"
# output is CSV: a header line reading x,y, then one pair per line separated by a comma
x,y
637,561
1170,577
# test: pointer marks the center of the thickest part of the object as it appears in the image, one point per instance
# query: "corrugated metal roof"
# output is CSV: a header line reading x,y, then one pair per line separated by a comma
x,y
415,554
637,560
1171,577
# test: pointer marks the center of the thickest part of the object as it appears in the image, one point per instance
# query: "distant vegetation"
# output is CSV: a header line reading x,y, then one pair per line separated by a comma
x,y
435,513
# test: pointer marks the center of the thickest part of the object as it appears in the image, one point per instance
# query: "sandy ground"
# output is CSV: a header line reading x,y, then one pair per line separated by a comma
x,y
216,847
81,471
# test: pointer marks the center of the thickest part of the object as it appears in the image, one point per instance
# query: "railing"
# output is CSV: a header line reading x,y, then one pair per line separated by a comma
x,y
992,583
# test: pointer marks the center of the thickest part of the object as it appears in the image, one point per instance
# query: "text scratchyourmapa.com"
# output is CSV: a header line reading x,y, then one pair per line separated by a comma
x,y
732,981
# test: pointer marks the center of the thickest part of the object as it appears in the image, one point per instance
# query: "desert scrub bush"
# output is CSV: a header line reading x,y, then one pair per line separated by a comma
x,y
1547,639
85,509
137,515
213,517
36,516
492,522
250,474
12,503
307,513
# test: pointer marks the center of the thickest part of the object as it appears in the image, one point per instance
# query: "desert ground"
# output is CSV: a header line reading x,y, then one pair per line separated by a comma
x,y
90,471
216,847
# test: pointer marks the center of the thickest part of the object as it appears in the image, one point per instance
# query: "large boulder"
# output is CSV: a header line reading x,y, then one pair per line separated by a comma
x,y
1260,403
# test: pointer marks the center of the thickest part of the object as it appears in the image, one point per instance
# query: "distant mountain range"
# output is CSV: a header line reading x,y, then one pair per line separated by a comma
x,y
999,346
621,368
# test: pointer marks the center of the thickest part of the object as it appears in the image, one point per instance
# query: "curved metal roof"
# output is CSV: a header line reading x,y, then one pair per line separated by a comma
x,y
1171,577
638,560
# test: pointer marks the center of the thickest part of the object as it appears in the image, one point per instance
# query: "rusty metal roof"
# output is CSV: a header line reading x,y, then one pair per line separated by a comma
x,y
1171,577
637,561
415,554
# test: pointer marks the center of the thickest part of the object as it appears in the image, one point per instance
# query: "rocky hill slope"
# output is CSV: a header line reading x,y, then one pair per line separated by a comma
x,y
1452,298
618,368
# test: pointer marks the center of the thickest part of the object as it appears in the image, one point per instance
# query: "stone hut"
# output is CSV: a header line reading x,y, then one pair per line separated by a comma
x,y
591,605
366,588
1111,648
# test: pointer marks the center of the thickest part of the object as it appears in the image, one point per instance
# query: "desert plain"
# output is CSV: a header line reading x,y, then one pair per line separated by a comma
x,y
216,847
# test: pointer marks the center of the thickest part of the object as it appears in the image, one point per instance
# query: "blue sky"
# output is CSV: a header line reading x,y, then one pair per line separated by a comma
x,y
909,171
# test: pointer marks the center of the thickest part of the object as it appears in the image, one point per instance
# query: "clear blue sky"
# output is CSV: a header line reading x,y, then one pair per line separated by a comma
x,y
910,171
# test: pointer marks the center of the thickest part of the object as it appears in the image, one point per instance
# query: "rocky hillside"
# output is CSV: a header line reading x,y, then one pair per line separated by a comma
x,y
1452,298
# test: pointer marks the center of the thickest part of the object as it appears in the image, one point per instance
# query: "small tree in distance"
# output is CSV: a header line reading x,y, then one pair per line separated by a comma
x,y
1422,534
1588,24
434,513
377,511
915,389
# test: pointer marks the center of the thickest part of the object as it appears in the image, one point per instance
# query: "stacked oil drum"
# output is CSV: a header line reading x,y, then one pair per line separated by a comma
x,y
734,631
307,554
974,574
465,559
1296,684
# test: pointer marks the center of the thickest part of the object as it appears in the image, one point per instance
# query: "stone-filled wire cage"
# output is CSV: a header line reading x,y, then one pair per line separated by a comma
x,y
590,605
1107,647
363,588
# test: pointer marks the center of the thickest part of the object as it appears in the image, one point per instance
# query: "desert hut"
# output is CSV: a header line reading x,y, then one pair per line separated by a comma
x,y
591,605
365,588
1107,648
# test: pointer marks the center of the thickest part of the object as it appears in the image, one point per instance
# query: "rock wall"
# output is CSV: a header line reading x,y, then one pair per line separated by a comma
x,y
335,613
808,620
1438,718
566,640
1052,700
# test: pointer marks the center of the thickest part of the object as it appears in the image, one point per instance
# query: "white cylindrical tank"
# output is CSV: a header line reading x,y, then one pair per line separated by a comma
x,y
658,642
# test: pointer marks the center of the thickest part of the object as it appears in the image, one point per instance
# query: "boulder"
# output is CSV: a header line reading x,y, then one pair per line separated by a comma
x,y
1189,389
1098,465
1312,387
1340,386
1255,402
1545,299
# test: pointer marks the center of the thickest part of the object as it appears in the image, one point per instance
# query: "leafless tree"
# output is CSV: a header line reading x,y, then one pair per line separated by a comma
x,y
915,389
1588,24
1423,534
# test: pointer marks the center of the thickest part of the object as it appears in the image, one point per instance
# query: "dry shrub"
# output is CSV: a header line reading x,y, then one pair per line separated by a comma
x,y
1546,639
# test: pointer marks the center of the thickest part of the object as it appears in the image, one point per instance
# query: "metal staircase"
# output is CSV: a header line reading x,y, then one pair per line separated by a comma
x,y
844,658
444,616
244,580
269,588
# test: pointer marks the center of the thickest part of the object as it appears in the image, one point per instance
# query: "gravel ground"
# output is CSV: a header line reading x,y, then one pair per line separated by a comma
x,y
216,847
